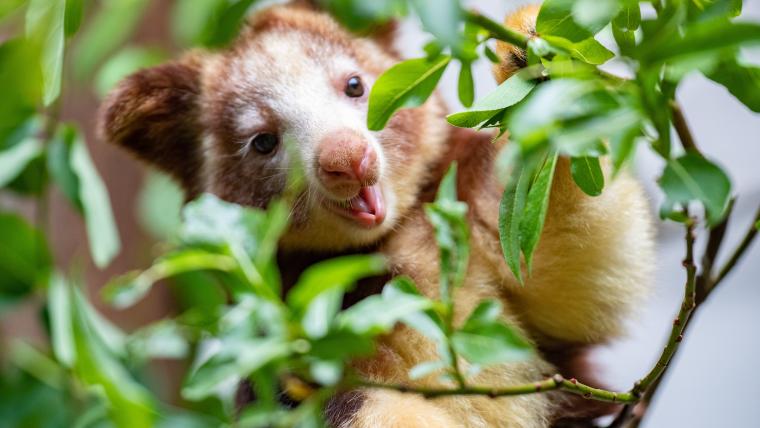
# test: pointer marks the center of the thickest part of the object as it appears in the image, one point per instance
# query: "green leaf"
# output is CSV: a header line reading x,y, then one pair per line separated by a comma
x,y
490,54
130,404
757,225
159,205
557,18
362,15
511,210
378,314
112,24
163,339
338,273
587,174
442,19
595,14
59,164
406,84
487,311
448,217
584,137
101,228
123,63
341,344
625,39
694,178
237,359
320,313
222,28
428,322
45,25
700,38
25,260
622,147
484,339
508,93
21,86
73,19
61,328
15,159
466,86
9,7
536,204
629,17
588,50
742,81
126,290
554,105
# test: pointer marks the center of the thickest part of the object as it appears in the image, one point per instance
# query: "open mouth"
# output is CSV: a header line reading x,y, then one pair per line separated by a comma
x,y
367,208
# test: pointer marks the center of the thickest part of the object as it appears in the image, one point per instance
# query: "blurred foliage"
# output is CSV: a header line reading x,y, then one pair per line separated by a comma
x,y
235,323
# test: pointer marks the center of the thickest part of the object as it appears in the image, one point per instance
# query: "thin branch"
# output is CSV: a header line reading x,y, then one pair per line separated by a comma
x,y
738,252
496,30
682,128
705,280
679,324
556,382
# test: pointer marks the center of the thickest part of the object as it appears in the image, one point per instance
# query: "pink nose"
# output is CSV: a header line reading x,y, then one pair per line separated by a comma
x,y
346,159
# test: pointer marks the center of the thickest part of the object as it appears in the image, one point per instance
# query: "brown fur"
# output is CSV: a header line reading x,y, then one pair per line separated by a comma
x,y
591,267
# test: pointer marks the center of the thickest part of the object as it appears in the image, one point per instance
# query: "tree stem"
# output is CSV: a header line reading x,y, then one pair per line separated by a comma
x,y
682,128
556,382
496,30
738,252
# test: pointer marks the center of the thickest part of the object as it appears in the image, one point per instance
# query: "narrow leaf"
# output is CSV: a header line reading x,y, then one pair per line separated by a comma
x,y
511,210
587,174
742,81
14,160
61,329
101,228
694,178
406,84
45,25
466,85
507,94
536,205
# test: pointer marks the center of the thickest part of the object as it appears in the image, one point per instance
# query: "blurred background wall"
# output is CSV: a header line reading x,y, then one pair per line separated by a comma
x,y
715,376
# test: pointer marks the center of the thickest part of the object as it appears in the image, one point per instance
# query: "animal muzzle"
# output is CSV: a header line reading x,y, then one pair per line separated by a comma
x,y
348,170
346,163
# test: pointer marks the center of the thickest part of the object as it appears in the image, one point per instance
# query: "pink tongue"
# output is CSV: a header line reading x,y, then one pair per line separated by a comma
x,y
369,205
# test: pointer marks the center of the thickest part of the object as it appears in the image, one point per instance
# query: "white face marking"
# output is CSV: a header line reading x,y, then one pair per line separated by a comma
x,y
304,95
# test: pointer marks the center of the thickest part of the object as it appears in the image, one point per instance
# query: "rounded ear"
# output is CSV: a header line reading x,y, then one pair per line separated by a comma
x,y
155,115
384,34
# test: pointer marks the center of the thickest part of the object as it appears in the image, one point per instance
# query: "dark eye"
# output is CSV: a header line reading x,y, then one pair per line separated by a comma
x,y
354,87
264,143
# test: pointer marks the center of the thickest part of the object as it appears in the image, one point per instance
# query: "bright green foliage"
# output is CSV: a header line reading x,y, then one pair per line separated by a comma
x,y
45,25
536,204
123,63
406,84
587,174
24,259
510,215
116,19
484,340
448,217
693,178
237,321
510,92
362,15
211,23
101,228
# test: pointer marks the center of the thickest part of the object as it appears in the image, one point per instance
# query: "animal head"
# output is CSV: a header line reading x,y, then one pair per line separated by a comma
x,y
291,92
